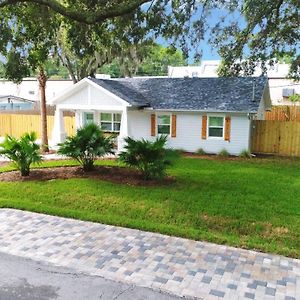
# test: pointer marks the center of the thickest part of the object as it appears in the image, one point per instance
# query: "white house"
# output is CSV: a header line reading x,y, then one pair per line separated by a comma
x,y
208,113
280,86
29,89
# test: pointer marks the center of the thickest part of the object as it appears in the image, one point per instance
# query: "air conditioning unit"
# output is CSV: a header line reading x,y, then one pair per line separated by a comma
x,y
287,92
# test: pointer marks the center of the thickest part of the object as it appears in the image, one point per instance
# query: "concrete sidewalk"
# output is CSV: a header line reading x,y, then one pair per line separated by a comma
x,y
174,265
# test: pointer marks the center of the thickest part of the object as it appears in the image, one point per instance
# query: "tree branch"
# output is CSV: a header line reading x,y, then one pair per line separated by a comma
x,y
116,9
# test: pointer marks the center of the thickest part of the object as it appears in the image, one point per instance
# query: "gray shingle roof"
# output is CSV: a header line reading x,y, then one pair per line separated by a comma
x,y
241,94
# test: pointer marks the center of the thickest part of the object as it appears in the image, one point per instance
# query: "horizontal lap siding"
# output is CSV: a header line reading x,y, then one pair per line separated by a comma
x,y
189,129
239,138
139,125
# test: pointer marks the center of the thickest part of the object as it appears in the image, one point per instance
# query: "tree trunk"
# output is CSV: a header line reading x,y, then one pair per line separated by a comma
x,y
42,78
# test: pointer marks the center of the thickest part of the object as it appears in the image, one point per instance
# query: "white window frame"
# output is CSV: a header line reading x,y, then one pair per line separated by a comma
x,y
84,119
223,127
162,115
112,122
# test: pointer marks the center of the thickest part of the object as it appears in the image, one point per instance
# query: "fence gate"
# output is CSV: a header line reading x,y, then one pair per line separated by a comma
x,y
276,137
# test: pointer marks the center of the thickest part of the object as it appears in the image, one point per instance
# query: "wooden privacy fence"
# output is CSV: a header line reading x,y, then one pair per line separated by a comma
x,y
283,113
16,125
276,137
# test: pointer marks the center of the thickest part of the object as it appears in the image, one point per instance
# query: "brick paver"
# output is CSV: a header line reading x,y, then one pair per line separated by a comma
x,y
175,265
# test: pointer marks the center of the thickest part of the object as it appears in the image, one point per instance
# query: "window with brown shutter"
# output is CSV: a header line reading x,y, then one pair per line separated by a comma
x,y
204,127
153,125
173,132
227,129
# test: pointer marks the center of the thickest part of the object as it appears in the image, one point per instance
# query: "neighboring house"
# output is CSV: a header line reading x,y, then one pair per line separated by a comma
x,y
208,113
10,102
280,87
29,88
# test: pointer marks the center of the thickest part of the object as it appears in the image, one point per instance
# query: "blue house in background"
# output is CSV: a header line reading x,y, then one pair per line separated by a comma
x,y
10,102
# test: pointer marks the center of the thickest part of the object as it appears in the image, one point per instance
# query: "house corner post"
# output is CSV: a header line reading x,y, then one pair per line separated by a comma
x,y
123,130
58,133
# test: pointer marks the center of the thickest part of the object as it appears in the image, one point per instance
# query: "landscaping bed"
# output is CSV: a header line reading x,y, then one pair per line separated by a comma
x,y
110,173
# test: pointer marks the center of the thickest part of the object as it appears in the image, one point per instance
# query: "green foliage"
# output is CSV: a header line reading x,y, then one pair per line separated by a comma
x,y
223,153
245,154
294,98
87,145
158,59
200,151
151,158
85,42
29,38
2,70
100,31
23,152
55,70
145,60
245,45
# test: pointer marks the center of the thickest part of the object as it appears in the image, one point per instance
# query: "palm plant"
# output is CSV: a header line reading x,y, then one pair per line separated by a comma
x,y
23,152
87,145
151,158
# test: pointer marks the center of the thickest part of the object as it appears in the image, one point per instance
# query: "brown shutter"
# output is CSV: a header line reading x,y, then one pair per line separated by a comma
x,y
227,129
153,125
204,127
173,133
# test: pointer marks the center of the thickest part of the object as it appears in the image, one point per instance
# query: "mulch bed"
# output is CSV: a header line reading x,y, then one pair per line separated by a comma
x,y
209,156
114,174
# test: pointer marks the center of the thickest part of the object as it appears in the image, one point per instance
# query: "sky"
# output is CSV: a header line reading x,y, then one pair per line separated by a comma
x,y
208,52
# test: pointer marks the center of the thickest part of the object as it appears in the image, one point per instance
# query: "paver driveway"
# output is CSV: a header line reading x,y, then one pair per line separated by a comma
x,y
178,266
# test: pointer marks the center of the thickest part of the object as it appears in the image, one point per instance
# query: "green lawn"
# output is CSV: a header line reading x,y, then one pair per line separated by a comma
x,y
246,203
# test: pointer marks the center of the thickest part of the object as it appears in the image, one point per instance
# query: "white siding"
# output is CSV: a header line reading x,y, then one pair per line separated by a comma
x,y
101,98
80,97
188,135
89,95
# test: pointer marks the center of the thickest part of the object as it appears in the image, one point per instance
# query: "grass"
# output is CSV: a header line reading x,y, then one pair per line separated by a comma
x,y
253,204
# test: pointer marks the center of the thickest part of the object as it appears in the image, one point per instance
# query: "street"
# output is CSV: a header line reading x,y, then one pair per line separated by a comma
x,y
29,280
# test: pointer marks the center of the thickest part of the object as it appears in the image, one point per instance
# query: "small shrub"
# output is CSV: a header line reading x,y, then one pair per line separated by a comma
x,y
200,151
87,145
245,154
23,151
181,151
223,153
151,158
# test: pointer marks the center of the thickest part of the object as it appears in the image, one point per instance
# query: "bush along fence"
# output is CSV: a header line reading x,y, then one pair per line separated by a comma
x,y
276,137
16,125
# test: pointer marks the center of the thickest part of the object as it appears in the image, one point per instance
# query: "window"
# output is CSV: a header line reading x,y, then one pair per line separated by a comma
x,y
164,124
215,126
110,122
88,118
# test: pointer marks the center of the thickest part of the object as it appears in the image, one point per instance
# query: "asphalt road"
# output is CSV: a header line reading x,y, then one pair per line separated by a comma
x,y
29,280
